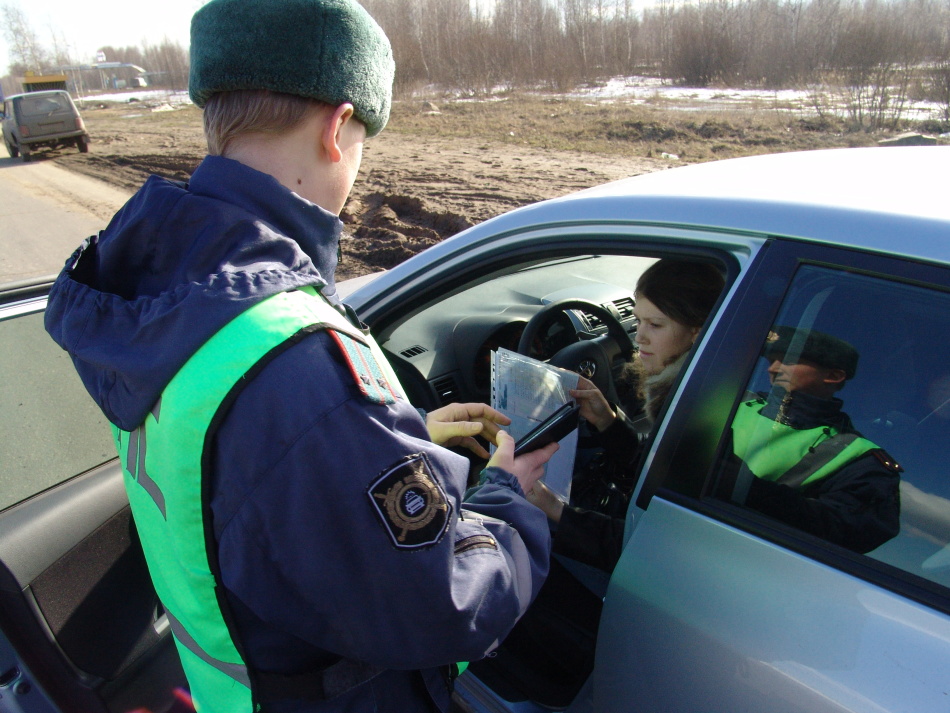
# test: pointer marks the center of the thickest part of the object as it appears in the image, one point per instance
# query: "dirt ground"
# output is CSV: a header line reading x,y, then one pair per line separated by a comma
x,y
410,194
434,172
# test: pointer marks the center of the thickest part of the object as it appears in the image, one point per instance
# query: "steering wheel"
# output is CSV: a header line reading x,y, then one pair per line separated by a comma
x,y
591,356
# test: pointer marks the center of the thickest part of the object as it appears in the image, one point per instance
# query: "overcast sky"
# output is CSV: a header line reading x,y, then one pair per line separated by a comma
x,y
86,26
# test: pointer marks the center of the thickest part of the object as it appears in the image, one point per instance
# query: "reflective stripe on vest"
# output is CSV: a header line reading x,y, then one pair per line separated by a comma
x,y
794,457
164,461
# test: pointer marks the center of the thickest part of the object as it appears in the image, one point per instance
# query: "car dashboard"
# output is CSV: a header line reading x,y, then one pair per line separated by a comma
x,y
445,348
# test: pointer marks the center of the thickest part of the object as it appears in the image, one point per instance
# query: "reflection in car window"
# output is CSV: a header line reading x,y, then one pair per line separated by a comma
x,y
845,430
34,106
50,429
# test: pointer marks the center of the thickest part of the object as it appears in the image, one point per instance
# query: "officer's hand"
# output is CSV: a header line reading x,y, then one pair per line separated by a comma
x,y
458,424
526,468
593,404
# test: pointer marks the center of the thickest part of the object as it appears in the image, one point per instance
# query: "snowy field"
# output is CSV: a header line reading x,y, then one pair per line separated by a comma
x,y
638,90
651,90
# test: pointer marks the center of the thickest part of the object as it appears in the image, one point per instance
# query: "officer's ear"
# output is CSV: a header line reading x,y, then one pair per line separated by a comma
x,y
835,378
332,134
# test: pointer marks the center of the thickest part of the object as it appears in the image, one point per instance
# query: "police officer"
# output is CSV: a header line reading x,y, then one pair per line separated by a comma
x,y
314,547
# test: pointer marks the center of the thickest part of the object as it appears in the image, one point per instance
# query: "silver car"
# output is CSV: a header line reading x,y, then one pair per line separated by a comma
x,y
713,605
47,118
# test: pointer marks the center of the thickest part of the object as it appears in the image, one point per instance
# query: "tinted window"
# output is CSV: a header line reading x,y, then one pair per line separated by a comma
x,y
886,491
50,429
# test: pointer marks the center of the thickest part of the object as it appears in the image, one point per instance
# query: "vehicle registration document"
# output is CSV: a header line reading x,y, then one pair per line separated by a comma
x,y
528,391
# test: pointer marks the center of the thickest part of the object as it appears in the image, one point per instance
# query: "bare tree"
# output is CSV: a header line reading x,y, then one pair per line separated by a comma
x,y
875,57
25,49
61,54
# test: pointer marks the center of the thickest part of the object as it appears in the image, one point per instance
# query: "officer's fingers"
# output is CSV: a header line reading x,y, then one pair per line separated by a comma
x,y
444,413
443,431
504,455
490,415
490,430
473,445
529,468
481,412
537,458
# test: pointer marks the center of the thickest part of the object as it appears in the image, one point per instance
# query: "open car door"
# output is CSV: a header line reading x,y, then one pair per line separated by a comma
x,y
82,628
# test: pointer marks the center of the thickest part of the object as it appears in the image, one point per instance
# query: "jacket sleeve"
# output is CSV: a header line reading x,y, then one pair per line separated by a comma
x,y
621,440
858,507
339,522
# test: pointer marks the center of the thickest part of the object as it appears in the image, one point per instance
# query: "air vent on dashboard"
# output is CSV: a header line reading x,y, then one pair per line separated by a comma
x,y
593,321
413,351
447,389
625,307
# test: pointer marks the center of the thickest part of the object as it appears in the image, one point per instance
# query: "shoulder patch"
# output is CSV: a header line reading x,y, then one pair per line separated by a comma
x,y
366,371
410,503
885,459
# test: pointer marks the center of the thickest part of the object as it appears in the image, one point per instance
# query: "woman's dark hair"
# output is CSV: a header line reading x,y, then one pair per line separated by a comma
x,y
684,291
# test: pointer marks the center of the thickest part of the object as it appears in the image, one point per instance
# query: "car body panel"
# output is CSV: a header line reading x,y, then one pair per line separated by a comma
x,y
812,639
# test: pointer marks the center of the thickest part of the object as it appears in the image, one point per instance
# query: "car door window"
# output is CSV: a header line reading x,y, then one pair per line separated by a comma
x,y
50,429
844,432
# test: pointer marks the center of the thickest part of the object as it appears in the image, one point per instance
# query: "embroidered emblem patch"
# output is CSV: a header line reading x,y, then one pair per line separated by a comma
x,y
411,504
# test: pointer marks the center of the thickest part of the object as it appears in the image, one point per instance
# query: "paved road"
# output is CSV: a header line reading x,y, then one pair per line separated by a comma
x,y
45,212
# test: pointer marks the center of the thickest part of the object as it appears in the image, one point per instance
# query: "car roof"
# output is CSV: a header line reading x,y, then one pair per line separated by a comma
x,y
37,93
885,199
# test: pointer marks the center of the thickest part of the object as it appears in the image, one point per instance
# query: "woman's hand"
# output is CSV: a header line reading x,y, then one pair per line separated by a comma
x,y
458,424
594,406
544,498
527,468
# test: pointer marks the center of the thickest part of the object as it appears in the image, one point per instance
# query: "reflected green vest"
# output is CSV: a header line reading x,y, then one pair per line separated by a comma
x,y
165,461
794,457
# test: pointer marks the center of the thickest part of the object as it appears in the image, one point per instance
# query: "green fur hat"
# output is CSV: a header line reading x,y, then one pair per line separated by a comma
x,y
330,50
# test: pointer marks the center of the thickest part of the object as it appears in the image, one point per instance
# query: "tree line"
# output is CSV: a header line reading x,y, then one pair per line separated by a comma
x,y
166,63
878,53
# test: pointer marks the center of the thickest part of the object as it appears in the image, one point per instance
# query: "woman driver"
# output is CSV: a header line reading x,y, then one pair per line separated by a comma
x,y
673,300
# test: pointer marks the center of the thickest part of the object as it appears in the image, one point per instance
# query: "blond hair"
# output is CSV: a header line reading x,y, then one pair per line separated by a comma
x,y
230,115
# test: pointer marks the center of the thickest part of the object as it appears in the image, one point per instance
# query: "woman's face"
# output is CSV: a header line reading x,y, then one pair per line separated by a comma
x,y
661,339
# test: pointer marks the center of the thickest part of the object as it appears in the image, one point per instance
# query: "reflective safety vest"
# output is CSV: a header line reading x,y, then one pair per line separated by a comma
x,y
166,463
794,457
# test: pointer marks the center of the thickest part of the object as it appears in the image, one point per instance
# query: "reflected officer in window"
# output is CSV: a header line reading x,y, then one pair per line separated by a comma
x,y
812,469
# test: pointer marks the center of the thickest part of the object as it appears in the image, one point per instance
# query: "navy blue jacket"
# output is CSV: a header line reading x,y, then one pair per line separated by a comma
x,y
311,567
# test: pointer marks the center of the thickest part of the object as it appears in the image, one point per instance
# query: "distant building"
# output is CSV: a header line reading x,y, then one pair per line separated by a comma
x,y
33,82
